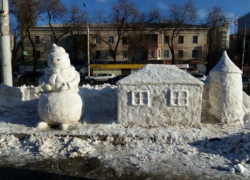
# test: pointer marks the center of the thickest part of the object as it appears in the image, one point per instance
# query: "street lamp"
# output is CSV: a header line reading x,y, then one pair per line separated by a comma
x,y
88,52
243,48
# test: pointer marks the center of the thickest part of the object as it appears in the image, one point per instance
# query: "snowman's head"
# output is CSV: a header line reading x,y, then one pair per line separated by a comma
x,y
58,58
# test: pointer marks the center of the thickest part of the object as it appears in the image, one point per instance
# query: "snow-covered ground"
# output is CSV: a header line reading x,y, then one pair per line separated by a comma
x,y
211,152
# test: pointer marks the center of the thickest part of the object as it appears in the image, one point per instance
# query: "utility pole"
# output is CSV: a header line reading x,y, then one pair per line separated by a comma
x,y
6,69
243,48
88,50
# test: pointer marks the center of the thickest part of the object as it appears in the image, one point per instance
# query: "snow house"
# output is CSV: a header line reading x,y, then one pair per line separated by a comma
x,y
159,95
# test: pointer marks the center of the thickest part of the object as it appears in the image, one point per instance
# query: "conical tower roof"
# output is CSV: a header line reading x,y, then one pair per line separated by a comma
x,y
225,65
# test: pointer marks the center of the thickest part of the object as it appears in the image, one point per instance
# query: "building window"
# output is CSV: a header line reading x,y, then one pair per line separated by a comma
x,y
98,54
152,53
124,54
52,39
166,39
111,39
195,53
37,39
97,40
181,39
69,39
110,55
195,39
166,53
124,40
180,54
38,55
179,98
140,98
83,54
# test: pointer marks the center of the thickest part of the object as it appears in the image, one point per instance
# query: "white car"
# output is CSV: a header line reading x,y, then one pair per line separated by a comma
x,y
103,77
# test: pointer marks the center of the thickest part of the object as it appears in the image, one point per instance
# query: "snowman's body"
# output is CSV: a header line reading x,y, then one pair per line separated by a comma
x,y
60,103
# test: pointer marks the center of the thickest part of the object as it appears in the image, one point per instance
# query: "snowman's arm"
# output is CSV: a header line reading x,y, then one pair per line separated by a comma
x,y
75,81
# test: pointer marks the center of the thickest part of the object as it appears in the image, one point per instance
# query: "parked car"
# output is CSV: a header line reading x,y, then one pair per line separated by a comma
x,y
29,78
201,77
103,77
114,80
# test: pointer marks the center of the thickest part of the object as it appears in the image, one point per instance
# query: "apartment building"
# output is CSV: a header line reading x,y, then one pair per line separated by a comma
x,y
190,45
244,28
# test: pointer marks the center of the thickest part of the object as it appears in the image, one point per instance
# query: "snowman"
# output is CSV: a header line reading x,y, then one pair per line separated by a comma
x,y
60,103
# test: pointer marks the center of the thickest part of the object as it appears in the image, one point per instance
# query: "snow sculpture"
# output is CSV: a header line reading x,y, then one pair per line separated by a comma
x,y
225,92
60,103
159,95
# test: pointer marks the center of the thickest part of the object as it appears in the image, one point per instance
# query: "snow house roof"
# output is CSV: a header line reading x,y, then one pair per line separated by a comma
x,y
225,65
160,74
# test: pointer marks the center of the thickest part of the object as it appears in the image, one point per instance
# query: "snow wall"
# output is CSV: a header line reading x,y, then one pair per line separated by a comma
x,y
97,99
13,97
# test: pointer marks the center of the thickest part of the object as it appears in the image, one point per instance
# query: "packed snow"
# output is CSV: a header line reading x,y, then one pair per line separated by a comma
x,y
213,151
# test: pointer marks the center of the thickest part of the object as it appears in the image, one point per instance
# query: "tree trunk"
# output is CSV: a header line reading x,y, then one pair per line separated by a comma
x,y
173,55
34,52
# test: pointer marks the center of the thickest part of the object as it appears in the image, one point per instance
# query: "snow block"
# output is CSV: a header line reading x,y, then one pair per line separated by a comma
x,y
159,95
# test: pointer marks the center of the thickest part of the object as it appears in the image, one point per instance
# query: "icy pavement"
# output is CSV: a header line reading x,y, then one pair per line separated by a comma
x,y
211,152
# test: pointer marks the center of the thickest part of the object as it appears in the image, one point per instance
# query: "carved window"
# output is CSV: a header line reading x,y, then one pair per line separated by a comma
x,y
179,98
140,98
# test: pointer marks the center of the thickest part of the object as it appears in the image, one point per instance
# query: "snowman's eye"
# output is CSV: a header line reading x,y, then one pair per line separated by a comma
x,y
58,59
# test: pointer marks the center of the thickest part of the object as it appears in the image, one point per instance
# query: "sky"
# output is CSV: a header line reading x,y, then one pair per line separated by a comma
x,y
231,7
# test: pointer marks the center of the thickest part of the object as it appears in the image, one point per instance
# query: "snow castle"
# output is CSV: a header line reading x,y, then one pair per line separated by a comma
x,y
225,92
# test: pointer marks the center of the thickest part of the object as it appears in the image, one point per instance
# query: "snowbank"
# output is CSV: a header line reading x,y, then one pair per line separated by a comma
x,y
97,99
100,100
212,152
14,97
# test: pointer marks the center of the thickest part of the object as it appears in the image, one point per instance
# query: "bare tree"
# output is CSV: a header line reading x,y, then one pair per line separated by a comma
x,y
17,38
122,14
215,18
138,40
79,19
26,14
178,18
53,11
